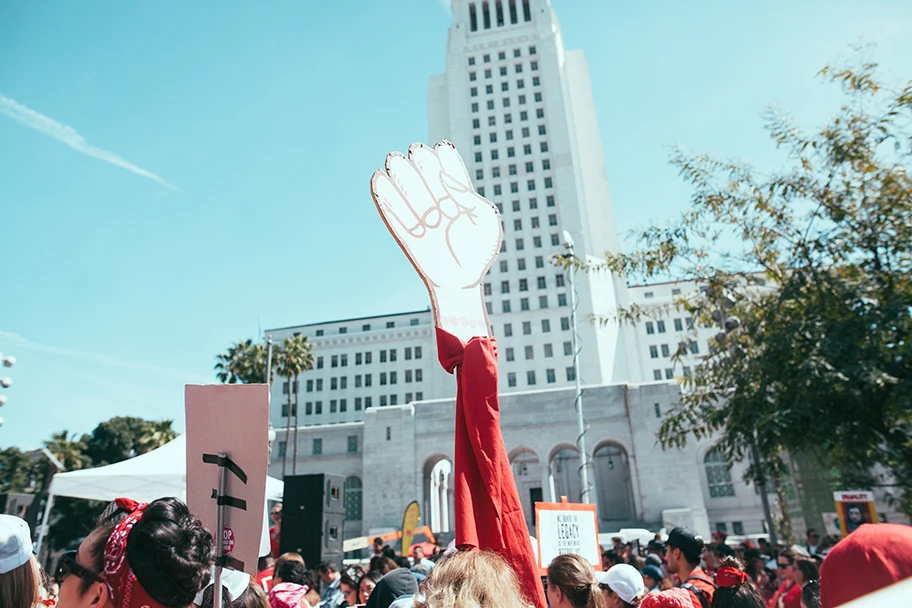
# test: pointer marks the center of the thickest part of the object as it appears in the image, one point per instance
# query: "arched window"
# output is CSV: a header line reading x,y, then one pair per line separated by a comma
x,y
353,492
718,474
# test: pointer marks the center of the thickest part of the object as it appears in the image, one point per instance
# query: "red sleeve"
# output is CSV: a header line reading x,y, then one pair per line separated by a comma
x,y
488,515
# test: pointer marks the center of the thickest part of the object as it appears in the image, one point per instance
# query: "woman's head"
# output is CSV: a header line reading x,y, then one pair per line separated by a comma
x,y
349,589
20,576
734,588
166,549
652,576
622,586
806,570
472,578
571,582
367,583
785,563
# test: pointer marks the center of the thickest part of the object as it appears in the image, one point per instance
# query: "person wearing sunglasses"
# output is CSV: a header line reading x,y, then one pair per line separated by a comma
x,y
790,591
153,555
275,531
19,572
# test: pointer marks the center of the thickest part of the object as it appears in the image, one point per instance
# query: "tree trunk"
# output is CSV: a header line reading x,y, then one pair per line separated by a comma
x,y
287,432
294,463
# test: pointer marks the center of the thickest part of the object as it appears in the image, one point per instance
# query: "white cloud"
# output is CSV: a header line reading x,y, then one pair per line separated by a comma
x,y
70,136
20,343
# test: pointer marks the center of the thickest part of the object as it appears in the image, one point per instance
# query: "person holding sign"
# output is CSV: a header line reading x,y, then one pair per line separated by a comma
x,y
153,555
572,583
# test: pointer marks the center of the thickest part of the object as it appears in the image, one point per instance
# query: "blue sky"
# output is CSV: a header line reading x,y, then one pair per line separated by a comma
x,y
173,175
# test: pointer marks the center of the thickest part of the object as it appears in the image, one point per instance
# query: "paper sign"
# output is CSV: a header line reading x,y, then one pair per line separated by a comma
x,y
564,527
229,419
854,509
831,523
450,233
409,523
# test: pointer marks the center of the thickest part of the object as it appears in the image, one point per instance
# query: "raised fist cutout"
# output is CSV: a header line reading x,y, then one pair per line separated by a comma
x,y
450,233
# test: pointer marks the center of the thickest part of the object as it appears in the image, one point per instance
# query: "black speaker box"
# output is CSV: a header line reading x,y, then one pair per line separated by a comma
x,y
313,513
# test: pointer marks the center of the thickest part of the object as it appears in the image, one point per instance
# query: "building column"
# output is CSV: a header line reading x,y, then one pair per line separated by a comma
x,y
444,499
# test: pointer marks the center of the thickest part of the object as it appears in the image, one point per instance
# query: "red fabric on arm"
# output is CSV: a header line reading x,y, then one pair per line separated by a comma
x,y
488,514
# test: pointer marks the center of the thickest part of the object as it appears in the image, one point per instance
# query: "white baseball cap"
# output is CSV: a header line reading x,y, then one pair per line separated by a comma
x,y
15,543
626,581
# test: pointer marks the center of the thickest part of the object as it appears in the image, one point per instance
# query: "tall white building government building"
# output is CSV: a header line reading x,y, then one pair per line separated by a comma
x,y
520,110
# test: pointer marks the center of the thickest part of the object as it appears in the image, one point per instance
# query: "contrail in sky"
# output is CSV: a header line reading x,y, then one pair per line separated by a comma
x,y
71,137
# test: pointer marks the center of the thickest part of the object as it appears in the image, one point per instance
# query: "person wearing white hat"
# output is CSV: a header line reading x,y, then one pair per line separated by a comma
x,y
622,586
19,573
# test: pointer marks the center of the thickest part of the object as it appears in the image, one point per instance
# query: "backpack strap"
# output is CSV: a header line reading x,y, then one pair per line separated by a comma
x,y
698,592
702,578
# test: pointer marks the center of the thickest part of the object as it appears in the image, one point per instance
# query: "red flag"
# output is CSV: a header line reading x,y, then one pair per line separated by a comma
x,y
489,514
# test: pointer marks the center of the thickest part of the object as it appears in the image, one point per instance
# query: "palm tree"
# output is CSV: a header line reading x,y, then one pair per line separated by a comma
x,y
296,356
156,434
245,363
69,450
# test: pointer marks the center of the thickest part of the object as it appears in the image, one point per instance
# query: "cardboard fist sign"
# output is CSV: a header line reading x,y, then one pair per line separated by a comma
x,y
449,232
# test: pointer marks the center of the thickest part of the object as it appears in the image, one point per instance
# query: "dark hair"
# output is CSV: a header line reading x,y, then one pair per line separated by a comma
x,y
378,541
387,551
327,566
744,595
723,550
809,569
267,561
252,597
345,579
402,562
291,571
612,555
382,564
574,576
810,594
372,575
168,549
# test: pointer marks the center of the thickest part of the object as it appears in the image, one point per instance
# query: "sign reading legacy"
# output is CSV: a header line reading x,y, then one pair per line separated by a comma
x,y
564,527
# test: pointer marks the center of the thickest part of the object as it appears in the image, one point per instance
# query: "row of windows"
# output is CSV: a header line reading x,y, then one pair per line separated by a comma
x,y
514,188
511,169
511,152
648,295
506,306
666,351
669,373
536,243
365,327
541,282
367,357
508,118
505,87
550,377
505,102
508,135
502,55
498,16
521,265
545,327
659,326
341,383
547,350
517,68
315,408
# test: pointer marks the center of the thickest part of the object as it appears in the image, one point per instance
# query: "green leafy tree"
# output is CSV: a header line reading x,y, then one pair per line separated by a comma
x,y
296,357
18,471
245,363
115,440
811,268
156,434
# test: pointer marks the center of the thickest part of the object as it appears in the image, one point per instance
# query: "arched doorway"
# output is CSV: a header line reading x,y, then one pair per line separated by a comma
x,y
565,474
612,482
527,473
438,493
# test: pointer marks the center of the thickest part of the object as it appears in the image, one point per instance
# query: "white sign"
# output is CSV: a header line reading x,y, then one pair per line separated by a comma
x,y
564,528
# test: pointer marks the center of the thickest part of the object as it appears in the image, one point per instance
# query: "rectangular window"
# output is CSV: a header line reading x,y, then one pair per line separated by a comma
x,y
524,303
521,263
694,348
408,397
653,352
497,190
665,351
530,353
522,100
382,400
537,242
408,375
392,377
546,326
332,406
317,447
540,113
541,131
539,261
511,152
542,282
343,360
524,284
565,323
527,149
527,328
367,380
343,382
358,359
508,330
555,240
660,325
544,146
508,354
417,352
358,404
476,139
518,68
669,373
571,374
538,98
523,115
476,124
568,348
319,384
689,323
319,332
392,354
515,205
394,399
352,444
650,329
382,378
487,289
514,187
495,171
525,132
419,375
686,371
471,61
492,137
543,301
473,92
549,183
408,353
281,449
559,280
343,405
656,374
504,266
489,89
549,373
478,157
505,306
511,381
519,245
382,356
319,362
536,81
308,408
310,386
550,200
535,222
549,351
517,224
368,402
367,357
520,84
530,377
679,326
474,106
561,299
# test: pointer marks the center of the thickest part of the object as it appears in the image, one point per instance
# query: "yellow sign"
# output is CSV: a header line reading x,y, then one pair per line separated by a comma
x,y
409,523
854,509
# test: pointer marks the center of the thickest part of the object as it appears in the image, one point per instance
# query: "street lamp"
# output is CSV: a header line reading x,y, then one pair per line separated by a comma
x,y
578,401
6,381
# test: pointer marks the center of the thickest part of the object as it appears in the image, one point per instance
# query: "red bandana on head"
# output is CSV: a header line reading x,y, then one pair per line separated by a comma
x,y
124,589
730,577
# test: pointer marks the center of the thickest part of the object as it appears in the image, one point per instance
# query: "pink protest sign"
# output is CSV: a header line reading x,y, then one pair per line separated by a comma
x,y
227,432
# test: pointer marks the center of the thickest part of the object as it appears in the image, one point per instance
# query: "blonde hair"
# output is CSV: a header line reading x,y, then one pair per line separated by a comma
x,y
575,576
19,586
472,579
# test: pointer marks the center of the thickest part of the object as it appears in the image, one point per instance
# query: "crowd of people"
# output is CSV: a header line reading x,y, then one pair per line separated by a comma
x,y
159,555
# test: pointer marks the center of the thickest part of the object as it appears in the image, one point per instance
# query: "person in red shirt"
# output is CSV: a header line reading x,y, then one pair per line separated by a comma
x,y
682,553
790,591
265,571
275,532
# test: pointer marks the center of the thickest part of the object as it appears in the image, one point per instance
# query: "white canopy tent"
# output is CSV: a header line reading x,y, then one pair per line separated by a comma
x,y
157,474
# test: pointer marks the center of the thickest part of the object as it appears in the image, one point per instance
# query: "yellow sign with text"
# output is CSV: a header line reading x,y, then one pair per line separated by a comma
x,y
409,523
